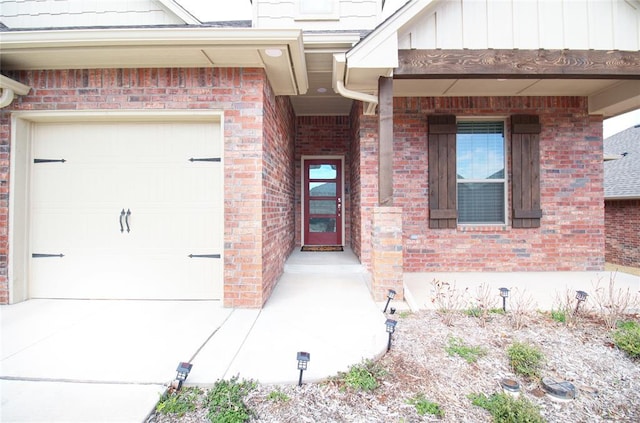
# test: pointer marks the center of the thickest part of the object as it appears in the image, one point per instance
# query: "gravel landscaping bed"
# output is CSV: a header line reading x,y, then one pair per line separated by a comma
x,y
606,379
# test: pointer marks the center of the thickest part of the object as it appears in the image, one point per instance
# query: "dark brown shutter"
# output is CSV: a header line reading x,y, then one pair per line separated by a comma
x,y
525,162
442,172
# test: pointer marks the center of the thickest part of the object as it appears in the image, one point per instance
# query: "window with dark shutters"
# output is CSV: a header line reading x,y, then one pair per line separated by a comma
x,y
525,163
442,171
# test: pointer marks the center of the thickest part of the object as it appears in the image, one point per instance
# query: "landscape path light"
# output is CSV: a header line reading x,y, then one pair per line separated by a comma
x,y
581,296
504,293
390,297
303,362
183,371
391,327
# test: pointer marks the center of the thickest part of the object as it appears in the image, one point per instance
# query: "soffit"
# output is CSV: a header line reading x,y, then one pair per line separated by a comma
x,y
161,47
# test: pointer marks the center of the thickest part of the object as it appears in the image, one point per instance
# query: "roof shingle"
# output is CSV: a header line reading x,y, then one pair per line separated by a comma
x,y
622,175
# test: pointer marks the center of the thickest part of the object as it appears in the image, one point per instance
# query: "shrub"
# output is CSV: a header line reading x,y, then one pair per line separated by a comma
x,y
278,396
627,338
525,359
225,401
424,406
613,303
363,376
179,402
507,409
458,347
559,316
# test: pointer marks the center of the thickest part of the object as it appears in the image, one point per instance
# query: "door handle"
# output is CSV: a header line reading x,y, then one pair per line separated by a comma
x,y
121,216
126,219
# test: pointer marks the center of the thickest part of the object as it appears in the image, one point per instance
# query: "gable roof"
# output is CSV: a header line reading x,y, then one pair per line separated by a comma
x,y
437,48
622,174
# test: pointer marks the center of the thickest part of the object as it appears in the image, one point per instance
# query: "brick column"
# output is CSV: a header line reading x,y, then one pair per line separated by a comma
x,y
386,254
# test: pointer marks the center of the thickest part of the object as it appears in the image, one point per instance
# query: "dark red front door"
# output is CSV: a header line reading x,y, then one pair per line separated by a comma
x,y
323,202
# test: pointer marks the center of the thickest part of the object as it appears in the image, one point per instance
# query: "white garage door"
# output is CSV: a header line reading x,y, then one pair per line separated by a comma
x,y
135,211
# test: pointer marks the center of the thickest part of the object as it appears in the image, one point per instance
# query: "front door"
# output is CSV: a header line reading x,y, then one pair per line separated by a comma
x,y
323,202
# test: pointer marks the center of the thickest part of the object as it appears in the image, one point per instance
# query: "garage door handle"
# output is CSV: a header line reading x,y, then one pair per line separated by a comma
x,y
126,219
121,216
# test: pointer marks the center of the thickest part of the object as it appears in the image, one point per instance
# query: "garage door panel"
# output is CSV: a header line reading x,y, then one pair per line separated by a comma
x,y
175,205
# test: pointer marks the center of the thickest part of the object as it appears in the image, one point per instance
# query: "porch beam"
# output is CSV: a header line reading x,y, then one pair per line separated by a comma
x,y
385,141
521,64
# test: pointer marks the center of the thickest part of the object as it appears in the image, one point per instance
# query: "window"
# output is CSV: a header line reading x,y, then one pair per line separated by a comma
x,y
480,170
467,177
317,9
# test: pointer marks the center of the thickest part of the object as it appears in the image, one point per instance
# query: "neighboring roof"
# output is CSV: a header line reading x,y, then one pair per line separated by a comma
x,y
622,175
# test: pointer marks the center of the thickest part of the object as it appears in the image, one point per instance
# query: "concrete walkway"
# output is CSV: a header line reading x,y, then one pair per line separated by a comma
x,y
109,361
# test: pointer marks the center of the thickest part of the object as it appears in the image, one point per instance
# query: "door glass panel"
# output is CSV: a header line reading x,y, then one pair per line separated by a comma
x,y
322,224
323,171
322,189
322,207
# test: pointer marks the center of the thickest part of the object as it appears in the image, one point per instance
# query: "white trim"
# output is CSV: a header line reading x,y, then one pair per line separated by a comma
x,y
22,124
303,190
179,11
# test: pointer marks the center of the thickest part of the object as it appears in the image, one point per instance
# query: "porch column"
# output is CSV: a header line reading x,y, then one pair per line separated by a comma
x,y
385,140
386,254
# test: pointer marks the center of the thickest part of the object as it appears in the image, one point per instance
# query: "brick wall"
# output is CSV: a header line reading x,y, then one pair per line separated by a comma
x,y
571,236
278,218
239,92
323,136
622,223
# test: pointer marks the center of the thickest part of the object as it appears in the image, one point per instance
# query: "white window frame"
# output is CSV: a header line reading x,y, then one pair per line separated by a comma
x,y
504,181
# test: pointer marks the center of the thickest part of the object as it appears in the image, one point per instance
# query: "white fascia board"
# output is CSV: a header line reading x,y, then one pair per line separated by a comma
x,y
343,39
179,11
147,37
384,37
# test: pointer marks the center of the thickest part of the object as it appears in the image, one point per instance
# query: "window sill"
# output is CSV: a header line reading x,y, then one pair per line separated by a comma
x,y
483,228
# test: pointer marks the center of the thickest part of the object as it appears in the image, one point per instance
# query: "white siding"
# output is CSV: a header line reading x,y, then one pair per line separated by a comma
x,y
526,24
351,15
70,13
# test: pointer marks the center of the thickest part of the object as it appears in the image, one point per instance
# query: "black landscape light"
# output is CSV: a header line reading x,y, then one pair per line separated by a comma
x,y
391,327
504,293
183,372
303,362
390,296
581,296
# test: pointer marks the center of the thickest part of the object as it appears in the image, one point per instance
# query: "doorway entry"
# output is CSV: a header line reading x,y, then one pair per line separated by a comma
x,y
322,189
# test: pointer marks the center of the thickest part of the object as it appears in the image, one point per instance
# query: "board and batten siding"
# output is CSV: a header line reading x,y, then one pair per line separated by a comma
x,y
526,24
82,13
350,15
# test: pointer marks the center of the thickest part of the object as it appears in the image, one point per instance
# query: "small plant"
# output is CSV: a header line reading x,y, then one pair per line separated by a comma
x,y
458,347
507,409
225,401
612,303
424,406
404,314
525,360
179,402
559,316
447,299
496,311
278,396
627,338
521,305
363,376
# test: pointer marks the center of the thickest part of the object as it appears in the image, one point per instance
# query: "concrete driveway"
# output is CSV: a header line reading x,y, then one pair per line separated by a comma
x,y
67,360
109,361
